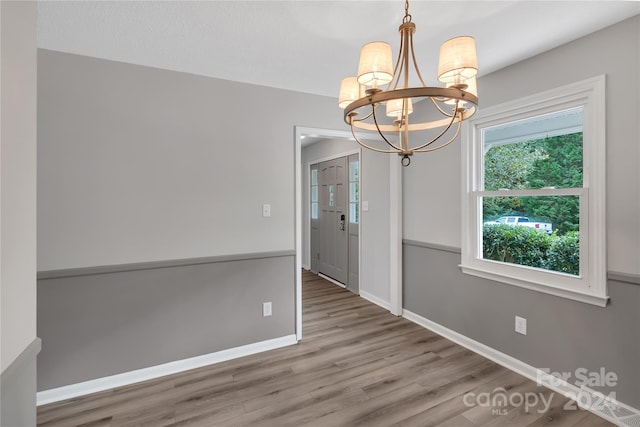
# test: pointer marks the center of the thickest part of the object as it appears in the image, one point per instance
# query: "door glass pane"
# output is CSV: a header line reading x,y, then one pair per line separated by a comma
x,y
539,152
331,195
314,193
353,192
534,231
354,213
354,170
314,211
314,176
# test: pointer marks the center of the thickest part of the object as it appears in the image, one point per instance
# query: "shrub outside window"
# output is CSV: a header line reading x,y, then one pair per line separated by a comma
x,y
533,193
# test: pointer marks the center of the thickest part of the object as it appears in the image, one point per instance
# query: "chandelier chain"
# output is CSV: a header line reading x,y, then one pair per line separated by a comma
x,y
407,15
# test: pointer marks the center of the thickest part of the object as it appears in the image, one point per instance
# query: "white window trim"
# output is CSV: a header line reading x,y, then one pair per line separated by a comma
x,y
591,286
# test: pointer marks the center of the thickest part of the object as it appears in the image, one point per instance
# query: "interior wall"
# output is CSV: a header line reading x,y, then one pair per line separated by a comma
x,y
374,228
563,334
121,321
18,212
435,216
139,167
140,164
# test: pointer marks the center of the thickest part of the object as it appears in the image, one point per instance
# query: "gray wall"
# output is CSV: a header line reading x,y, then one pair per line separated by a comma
x,y
136,165
18,213
374,233
139,164
18,389
97,325
563,334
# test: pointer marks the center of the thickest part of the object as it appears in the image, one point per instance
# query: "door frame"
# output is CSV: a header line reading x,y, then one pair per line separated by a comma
x,y
395,223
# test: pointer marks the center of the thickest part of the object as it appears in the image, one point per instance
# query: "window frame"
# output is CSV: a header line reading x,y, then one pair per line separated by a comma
x,y
591,286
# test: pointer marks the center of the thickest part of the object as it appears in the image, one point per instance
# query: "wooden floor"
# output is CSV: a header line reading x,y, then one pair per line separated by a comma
x,y
357,366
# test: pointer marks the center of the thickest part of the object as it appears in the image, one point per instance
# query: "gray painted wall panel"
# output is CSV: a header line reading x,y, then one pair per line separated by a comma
x,y
587,57
139,164
99,325
18,389
17,178
432,202
18,61
562,335
142,165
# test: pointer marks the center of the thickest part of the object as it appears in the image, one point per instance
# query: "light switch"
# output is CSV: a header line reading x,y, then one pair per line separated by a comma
x,y
521,325
365,206
266,210
266,309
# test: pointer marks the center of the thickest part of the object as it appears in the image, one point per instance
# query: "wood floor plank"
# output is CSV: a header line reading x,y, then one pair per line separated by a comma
x,y
357,365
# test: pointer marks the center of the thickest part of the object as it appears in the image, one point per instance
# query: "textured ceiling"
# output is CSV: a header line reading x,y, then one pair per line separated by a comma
x,y
309,46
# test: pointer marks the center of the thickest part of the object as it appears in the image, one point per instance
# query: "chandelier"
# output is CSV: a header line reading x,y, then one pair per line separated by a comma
x,y
379,83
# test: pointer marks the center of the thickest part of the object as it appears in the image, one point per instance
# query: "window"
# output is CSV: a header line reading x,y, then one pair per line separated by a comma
x,y
533,204
354,190
314,192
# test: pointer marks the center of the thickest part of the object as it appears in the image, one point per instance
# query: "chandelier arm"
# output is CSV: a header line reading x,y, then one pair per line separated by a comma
x,y
397,70
441,133
445,144
362,119
443,112
415,63
406,36
368,146
375,120
406,133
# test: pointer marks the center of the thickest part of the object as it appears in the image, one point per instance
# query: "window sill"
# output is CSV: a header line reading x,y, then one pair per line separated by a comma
x,y
588,298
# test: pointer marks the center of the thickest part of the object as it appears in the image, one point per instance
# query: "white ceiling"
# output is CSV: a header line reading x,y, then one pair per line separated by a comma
x,y
309,46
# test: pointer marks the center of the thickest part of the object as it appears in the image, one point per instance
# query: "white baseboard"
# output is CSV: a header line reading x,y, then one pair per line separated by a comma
x,y
586,398
126,378
376,300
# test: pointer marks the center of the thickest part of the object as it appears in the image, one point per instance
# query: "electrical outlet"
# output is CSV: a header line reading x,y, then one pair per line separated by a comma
x,y
521,325
266,210
266,309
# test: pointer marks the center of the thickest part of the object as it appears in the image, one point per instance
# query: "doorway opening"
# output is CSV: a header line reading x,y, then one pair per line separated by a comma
x,y
380,281
319,145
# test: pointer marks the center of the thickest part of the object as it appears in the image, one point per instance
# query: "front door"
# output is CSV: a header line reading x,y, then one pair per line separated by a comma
x,y
333,219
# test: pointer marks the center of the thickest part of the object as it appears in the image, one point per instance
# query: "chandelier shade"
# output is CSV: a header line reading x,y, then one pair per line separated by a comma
x,y
375,67
399,107
379,83
349,91
458,60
